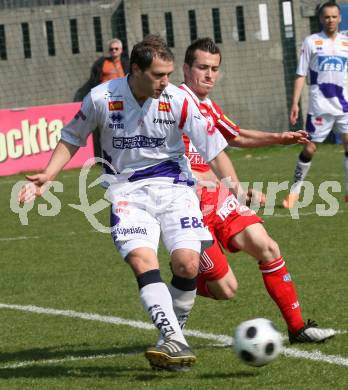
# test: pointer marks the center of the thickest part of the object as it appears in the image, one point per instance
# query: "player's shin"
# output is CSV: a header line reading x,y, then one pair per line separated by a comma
x,y
157,302
302,167
183,292
280,287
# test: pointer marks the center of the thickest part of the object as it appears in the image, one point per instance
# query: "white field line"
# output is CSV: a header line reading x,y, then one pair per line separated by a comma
x,y
223,340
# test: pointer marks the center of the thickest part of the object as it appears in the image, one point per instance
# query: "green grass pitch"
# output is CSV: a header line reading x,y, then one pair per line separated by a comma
x,y
60,263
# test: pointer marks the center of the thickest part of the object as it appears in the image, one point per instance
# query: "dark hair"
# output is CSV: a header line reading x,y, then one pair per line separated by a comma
x,y
327,5
204,44
145,51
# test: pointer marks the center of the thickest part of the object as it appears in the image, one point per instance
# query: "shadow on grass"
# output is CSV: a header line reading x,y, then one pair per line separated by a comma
x,y
64,361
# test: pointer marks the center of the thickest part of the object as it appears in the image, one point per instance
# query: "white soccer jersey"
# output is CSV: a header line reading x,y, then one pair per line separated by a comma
x,y
326,62
147,138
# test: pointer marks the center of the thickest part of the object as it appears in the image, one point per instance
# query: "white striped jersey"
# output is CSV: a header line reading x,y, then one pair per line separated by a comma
x,y
324,60
145,139
217,121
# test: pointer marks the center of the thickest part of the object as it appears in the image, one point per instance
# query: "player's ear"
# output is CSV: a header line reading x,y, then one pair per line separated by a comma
x,y
186,69
135,69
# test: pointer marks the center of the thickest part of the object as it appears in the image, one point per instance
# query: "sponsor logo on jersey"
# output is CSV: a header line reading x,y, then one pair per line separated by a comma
x,y
318,121
122,203
164,106
196,159
318,42
137,142
116,105
167,96
230,205
81,115
345,43
193,155
191,222
131,230
164,121
210,126
332,63
116,119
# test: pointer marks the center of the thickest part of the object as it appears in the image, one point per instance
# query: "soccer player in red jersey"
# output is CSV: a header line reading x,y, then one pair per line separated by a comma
x,y
234,226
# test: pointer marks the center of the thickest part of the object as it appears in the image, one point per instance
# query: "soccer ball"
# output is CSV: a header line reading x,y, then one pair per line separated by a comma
x,y
257,342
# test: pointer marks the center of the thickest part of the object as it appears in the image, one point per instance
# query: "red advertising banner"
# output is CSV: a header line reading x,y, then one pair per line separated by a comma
x,y
29,135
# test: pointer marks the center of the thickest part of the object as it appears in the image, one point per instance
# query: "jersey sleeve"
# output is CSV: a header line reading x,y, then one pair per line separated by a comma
x,y
84,123
224,124
205,137
305,56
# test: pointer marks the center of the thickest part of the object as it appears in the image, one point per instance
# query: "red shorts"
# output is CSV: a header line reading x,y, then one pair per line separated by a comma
x,y
225,217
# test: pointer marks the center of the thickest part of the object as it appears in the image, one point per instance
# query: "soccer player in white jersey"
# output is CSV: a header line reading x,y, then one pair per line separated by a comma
x,y
234,226
324,60
142,118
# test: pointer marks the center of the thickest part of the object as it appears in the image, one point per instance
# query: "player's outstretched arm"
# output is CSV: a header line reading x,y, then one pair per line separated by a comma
x,y
256,138
37,183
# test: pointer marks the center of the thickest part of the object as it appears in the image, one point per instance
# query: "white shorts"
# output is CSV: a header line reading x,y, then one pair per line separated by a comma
x,y
144,213
319,126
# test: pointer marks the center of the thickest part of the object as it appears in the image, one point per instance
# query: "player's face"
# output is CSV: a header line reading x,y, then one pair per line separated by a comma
x,y
155,79
330,19
203,74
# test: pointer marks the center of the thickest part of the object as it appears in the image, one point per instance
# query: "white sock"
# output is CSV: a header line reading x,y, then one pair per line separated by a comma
x,y
346,172
301,171
182,302
157,302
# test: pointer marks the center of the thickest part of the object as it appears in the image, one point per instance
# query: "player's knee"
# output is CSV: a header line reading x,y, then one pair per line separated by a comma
x,y
270,251
309,150
185,269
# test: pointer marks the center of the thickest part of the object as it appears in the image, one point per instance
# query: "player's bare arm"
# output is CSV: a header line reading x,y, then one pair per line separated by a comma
x,y
223,168
256,138
298,86
36,185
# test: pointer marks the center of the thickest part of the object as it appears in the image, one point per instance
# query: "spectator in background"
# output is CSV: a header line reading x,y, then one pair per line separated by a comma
x,y
111,67
105,68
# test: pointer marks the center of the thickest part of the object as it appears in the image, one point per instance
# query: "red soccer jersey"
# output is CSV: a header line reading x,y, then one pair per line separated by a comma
x,y
217,119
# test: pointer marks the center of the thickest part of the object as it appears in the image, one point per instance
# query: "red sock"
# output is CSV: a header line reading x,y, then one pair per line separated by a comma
x,y
202,288
282,290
